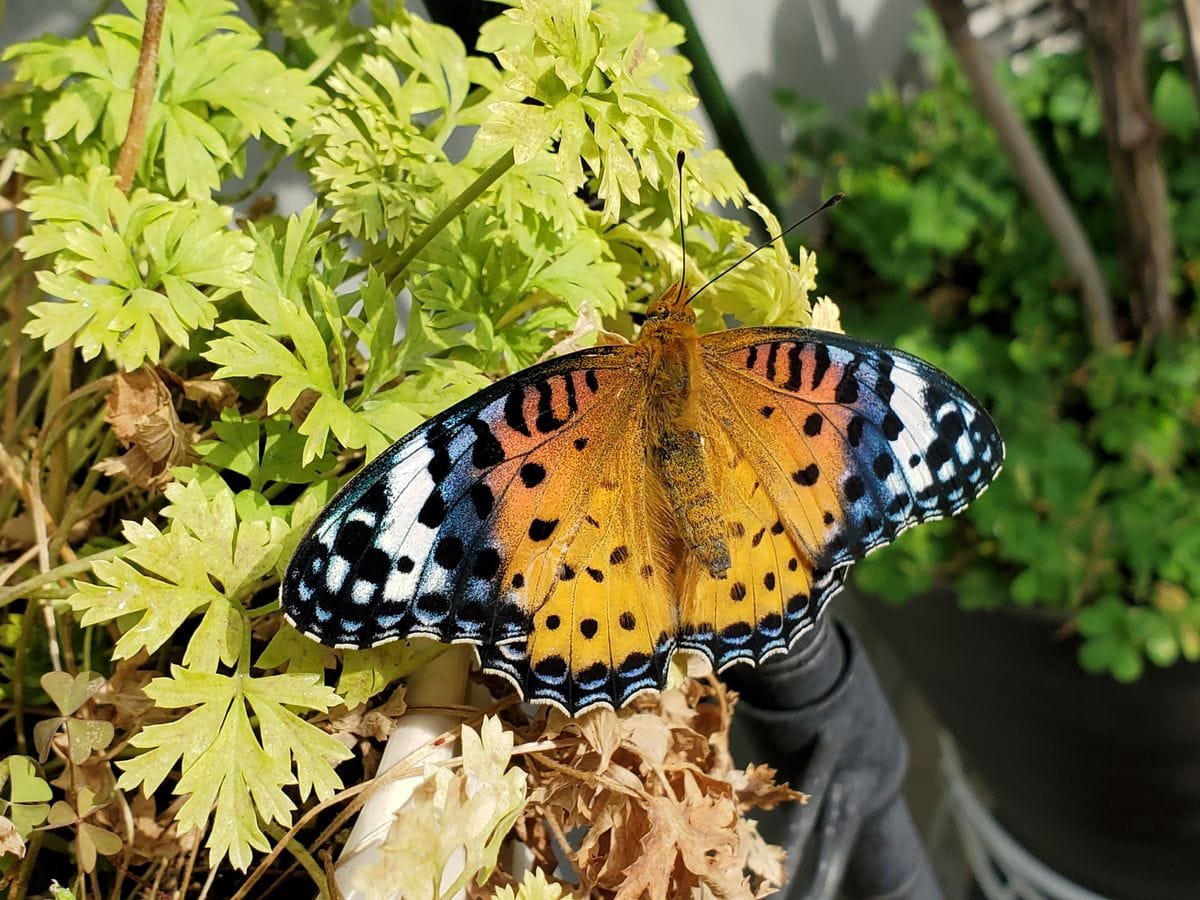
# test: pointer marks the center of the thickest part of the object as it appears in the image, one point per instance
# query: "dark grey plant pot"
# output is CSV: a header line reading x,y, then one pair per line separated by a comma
x,y
1098,779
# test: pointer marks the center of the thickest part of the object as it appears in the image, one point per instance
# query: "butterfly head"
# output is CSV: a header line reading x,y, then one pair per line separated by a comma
x,y
673,306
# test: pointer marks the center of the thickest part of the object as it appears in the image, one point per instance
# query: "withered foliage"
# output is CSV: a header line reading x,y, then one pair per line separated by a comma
x,y
143,418
647,801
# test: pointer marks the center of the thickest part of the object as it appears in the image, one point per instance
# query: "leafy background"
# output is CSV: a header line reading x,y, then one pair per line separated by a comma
x,y
186,386
1094,520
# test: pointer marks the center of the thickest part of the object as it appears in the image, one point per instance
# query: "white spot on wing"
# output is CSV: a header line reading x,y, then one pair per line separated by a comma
x,y
336,574
917,432
363,591
408,487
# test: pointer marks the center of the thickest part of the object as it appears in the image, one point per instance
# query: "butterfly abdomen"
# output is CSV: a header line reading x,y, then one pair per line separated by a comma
x,y
680,462
676,448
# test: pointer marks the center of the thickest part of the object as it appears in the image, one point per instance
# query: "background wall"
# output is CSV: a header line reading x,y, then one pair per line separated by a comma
x,y
835,51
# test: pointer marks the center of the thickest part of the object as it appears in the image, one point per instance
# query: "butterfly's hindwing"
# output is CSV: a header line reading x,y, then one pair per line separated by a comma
x,y
765,600
603,619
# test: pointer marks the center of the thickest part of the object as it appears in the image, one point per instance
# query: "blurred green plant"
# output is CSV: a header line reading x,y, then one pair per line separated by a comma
x,y
1095,514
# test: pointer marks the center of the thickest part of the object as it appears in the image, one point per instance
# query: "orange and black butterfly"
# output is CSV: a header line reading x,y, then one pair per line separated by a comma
x,y
581,520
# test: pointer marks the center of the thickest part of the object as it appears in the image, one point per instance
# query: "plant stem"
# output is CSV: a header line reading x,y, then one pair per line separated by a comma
x,y
268,167
71,514
66,570
1112,31
20,887
17,686
60,463
143,95
521,307
1189,19
16,313
473,191
731,133
311,866
185,879
33,398
1040,184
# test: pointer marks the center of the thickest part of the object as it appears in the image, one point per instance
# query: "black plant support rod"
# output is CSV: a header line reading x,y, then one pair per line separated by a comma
x,y
731,134
821,718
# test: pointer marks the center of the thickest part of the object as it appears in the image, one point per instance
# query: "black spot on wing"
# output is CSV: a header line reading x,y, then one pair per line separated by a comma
x,y
433,511
821,364
486,451
514,412
807,476
795,368
854,431
482,499
846,391
532,474
541,529
487,563
891,425
772,355
449,552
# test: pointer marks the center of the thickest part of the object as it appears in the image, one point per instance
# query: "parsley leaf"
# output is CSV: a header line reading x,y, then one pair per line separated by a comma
x,y
205,560
227,768
128,271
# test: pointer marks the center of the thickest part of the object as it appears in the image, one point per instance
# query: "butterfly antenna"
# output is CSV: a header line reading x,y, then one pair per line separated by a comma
x,y
679,158
832,201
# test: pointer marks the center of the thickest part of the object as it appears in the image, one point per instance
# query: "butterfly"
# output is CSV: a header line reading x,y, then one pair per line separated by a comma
x,y
582,520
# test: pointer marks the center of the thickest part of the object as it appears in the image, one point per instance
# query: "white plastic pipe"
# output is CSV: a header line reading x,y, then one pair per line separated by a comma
x,y
442,682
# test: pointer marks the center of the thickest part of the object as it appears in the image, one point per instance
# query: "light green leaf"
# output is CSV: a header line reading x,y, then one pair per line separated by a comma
x,y
1175,104
106,296
28,795
297,306
205,558
293,652
366,673
228,768
217,88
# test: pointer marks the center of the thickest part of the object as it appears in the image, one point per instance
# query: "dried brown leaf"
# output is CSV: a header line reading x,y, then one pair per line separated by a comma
x,y
601,729
688,843
648,736
143,418
364,721
658,798
11,843
211,392
756,788
763,861
125,692
151,838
